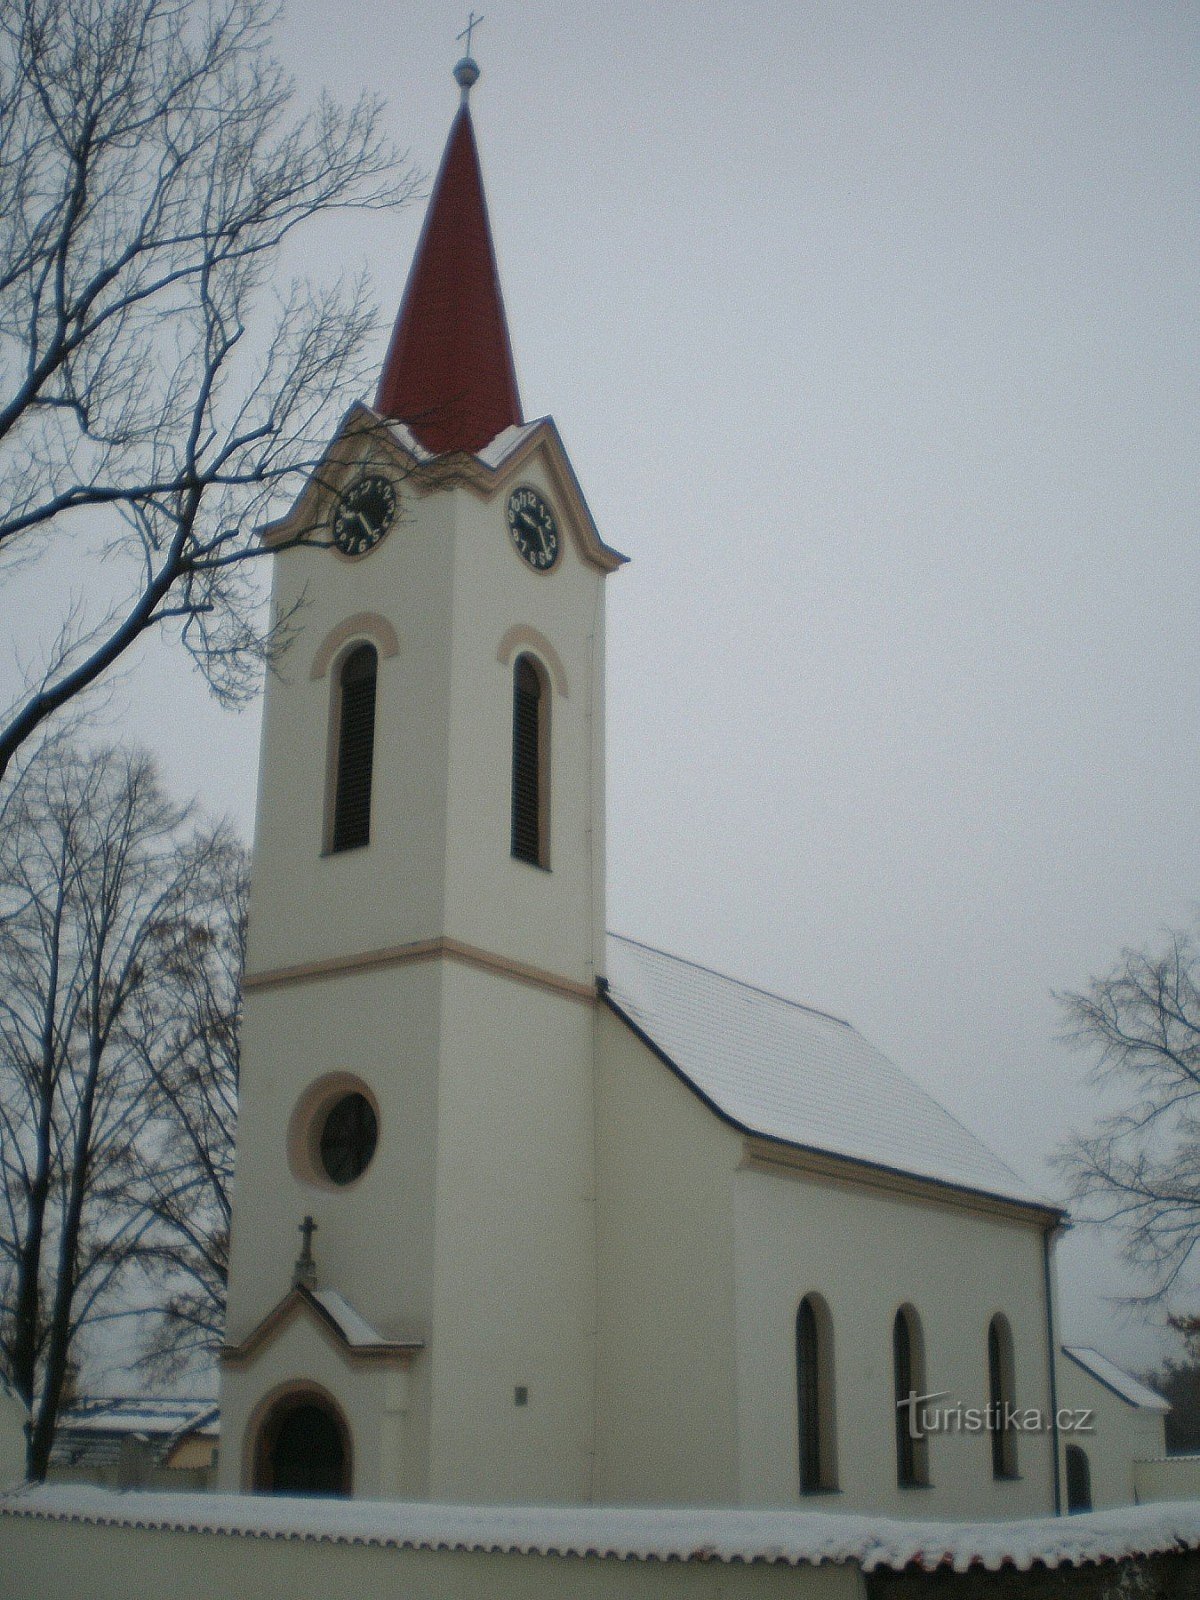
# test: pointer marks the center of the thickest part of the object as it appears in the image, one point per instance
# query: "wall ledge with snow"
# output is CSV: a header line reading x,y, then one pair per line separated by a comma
x,y
794,1538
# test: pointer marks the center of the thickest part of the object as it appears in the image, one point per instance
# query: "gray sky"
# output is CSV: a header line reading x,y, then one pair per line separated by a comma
x,y
871,329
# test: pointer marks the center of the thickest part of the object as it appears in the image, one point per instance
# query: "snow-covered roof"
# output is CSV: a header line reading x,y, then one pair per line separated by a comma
x,y
90,1434
788,1072
492,455
331,1310
1116,1378
355,1330
506,442
792,1538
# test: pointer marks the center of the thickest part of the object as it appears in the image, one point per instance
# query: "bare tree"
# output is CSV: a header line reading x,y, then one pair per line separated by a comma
x,y
1138,1169
186,1028
152,169
98,869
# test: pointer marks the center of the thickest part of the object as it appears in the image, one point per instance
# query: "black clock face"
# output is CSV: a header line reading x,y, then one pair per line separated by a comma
x,y
366,511
533,528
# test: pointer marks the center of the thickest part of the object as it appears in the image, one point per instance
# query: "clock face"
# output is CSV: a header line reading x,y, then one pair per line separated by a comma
x,y
365,512
533,528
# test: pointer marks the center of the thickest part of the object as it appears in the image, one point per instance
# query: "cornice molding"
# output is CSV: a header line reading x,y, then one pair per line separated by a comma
x,y
420,950
760,1154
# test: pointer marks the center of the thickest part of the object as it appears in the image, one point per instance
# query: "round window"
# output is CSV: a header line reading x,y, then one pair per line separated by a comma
x,y
348,1138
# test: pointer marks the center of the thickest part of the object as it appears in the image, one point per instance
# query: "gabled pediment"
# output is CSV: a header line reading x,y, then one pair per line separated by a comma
x,y
334,1318
366,436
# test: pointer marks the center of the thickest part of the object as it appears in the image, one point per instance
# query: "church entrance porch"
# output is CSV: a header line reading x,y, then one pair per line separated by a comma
x,y
303,1447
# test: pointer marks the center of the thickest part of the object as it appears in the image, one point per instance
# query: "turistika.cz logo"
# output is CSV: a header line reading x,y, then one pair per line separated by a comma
x,y
926,1416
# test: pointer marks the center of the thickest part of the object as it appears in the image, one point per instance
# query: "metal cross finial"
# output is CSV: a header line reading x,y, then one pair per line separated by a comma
x,y
306,1268
472,23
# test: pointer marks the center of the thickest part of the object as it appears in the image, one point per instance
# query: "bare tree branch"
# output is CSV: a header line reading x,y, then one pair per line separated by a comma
x,y
1138,1169
120,960
152,166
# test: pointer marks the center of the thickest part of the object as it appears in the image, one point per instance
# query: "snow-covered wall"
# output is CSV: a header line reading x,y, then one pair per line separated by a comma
x,y
165,1547
1118,1435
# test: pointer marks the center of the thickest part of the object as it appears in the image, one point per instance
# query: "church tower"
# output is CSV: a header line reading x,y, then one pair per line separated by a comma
x,y
412,1279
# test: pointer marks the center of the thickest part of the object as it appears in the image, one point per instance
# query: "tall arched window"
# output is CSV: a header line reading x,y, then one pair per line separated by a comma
x,y
355,748
1079,1480
908,1365
530,763
814,1394
1000,1397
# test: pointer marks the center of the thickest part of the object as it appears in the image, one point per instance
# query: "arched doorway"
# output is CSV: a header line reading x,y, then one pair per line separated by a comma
x,y
303,1447
1079,1480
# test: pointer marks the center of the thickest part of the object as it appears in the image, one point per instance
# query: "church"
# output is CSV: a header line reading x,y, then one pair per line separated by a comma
x,y
525,1212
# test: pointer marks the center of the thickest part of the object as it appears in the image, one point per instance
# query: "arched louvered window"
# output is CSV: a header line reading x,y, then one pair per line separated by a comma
x,y
814,1395
908,1365
355,748
530,763
1000,1396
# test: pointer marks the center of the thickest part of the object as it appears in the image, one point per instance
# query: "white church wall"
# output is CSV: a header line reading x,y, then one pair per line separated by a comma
x,y
1120,1436
307,904
703,1262
551,919
867,1252
374,1236
374,1240
1166,1478
515,1291
508,1055
666,1420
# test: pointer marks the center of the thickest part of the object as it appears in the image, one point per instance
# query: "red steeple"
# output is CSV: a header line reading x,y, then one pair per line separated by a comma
x,y
449,370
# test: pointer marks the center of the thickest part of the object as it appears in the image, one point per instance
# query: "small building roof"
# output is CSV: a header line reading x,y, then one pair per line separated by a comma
x,y
356,1331
90,1433
790,1073
333,1312
1122,1383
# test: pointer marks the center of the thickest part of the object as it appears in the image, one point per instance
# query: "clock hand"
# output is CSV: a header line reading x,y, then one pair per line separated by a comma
x,y
537,528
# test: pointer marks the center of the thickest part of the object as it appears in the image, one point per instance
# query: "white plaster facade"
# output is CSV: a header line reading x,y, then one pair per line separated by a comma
x,y
705,1251
1126,1426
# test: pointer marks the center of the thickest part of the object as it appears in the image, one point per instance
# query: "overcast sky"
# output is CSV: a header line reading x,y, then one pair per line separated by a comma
x,y
871,330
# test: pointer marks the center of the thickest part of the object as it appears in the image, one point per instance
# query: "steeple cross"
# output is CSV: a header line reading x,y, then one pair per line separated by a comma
x,y
472,23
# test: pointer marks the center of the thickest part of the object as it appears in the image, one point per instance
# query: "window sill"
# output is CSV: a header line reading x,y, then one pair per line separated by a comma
x,y
919,1488
525,862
